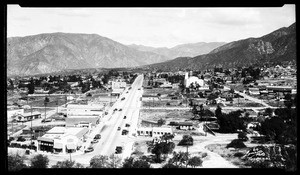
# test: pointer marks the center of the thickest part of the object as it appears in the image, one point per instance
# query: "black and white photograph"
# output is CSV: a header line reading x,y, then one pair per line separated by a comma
x,y
151,87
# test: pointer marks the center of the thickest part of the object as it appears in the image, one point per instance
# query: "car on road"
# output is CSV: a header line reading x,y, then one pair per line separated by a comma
x,y
139,88
123,98
129,88
119,150
127,125
89,149
126,92
46,120
124,117
124,132
97,136
120,109
94,141
119,128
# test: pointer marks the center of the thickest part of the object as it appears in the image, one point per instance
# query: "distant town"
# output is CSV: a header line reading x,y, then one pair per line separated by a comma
x,y
242,117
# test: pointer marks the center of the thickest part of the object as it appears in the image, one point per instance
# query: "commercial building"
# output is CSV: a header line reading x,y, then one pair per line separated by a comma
x,y
62,140
154,131
84,115
28,116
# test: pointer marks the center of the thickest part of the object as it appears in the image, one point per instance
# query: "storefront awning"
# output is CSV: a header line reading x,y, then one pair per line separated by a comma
x,y
71,146
58,145
45,139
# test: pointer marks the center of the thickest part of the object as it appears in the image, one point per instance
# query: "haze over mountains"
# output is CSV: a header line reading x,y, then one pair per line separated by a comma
x,y
277,46
182,50
53,52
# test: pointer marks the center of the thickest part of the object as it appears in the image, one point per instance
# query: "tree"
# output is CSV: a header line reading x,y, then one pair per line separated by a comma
x,y
167,137
15,162
179,159
186,140
31,86
236,143
99,161
114,161
195,161
39,161
131,162
268,111
218,112
288,100
243,136
67,164
161,122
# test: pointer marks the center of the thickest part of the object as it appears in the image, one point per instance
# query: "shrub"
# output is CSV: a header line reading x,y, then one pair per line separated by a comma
x,y
21,139
236,143
238,154
243,136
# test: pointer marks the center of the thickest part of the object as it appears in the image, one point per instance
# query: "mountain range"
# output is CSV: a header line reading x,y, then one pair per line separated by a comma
x,y
277,46
182,50
54,52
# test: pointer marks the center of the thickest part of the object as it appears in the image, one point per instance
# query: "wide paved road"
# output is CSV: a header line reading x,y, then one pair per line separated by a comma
x,y
108,128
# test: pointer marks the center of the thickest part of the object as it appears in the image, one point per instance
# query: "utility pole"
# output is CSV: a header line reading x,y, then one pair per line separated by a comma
x,y
31,128
70,157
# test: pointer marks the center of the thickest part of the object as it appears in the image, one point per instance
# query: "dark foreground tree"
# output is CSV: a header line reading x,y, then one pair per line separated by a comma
x,y
67,164
135,163
195,161
15,162
39,161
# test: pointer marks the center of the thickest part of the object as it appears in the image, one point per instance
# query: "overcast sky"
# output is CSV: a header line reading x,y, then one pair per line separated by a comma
x,y
157,27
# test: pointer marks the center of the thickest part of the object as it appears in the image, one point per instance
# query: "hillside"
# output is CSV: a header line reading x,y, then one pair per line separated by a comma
x,y
277,46
51,52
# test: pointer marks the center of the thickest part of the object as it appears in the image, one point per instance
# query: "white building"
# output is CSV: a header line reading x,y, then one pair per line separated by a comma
x,y
84,110
62,139
118,85
13,111
84,115
154,131
188,80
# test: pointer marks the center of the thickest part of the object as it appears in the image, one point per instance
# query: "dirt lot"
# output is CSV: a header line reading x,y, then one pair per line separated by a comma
x,y
161,91
168,115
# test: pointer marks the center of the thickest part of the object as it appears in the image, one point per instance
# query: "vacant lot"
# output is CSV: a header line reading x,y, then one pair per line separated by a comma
x,y
162,103
161,91
168,115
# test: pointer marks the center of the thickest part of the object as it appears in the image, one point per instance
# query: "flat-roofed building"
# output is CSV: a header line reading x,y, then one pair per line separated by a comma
x,y
154,131
84,115
62,139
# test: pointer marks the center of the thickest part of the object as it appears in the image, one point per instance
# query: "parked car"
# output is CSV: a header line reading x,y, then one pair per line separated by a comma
x,y
46,120
127,125
89,149
123,98
97,136
124,132
124,117
119,128
139,88
94,141
120,109
118,150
